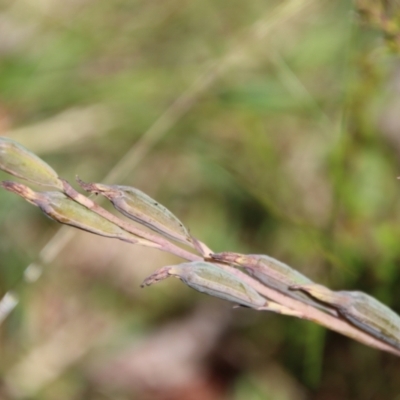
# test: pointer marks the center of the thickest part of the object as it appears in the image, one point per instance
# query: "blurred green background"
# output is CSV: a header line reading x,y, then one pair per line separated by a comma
x,y
266,126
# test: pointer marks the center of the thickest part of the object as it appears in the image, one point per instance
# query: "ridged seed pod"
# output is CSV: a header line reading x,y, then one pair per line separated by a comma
x,y
208,278
62,209
18,161
362,310
271,272
211,279
140,207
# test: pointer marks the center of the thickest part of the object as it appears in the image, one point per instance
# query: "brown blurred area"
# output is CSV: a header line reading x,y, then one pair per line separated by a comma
x,y
266,127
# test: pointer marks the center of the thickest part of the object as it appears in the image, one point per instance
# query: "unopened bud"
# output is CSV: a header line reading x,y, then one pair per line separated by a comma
x,y
208,278
272,273
140,207
361,309
18,161
66,211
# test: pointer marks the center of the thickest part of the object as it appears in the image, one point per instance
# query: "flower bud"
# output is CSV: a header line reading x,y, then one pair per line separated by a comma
x,y
18,161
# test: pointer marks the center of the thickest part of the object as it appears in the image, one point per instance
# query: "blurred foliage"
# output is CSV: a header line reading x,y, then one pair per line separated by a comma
x,y
267,127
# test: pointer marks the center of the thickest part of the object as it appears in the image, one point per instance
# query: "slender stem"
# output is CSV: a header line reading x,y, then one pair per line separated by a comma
x,y
329,321
162,243
201,247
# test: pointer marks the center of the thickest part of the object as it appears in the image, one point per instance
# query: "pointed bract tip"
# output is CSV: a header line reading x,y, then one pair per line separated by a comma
x,y
226,257
84,185
7,184
95,188
200,247
317,291
18,188
156,276
304,288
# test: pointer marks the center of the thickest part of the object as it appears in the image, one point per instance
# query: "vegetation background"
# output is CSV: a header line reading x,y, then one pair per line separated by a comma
x,y
266,126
